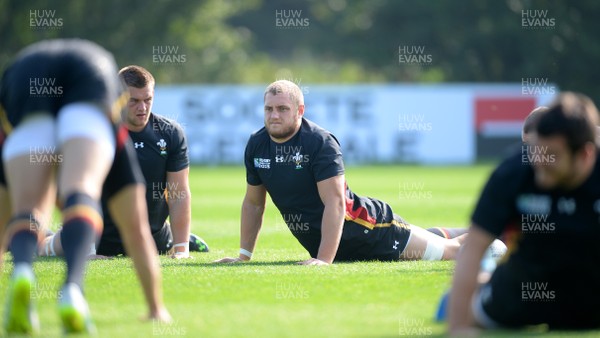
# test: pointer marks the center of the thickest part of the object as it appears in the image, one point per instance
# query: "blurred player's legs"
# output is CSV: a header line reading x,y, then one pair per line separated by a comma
x,y
74,127
124,189
29,185
87,157
23,319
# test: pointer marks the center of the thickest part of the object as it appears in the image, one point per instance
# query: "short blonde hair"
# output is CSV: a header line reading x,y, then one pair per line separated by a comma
x,y
286,87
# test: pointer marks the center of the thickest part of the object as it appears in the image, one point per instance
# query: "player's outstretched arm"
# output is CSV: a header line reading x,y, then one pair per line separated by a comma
x,y
253,208
180,210
129,211
464,283
332,192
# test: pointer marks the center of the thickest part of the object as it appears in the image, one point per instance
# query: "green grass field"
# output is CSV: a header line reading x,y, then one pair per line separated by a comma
x,y
271,296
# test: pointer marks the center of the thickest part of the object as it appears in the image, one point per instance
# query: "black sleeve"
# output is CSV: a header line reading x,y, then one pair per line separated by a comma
x,y
327,161
496,206
178,158
251,173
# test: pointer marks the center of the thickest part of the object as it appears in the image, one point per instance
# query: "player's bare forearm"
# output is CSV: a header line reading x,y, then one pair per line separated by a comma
x,y
135,232
180,215
180,210
463,288
331,232
333,195
253,208
464,283
251,222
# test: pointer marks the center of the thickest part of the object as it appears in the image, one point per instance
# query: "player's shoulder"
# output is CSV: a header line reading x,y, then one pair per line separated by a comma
x,y
258,136
258,141
316,133
158,118
309,126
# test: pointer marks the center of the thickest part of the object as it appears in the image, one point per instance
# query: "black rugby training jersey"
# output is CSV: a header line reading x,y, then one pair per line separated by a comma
x,y
160,147
555,232
290,172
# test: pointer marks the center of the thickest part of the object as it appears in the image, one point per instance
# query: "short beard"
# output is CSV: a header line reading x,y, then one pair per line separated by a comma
x,y
283,134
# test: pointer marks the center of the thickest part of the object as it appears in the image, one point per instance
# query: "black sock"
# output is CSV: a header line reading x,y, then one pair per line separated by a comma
x,y
23,245
448,232
81,217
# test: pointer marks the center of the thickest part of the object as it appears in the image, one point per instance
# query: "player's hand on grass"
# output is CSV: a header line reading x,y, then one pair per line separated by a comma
x,y
313,261
179,252
161,315
230,260
180,255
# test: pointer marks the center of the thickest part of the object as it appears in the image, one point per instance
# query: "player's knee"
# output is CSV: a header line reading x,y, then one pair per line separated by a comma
x,y
441,249
83,206
435,249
